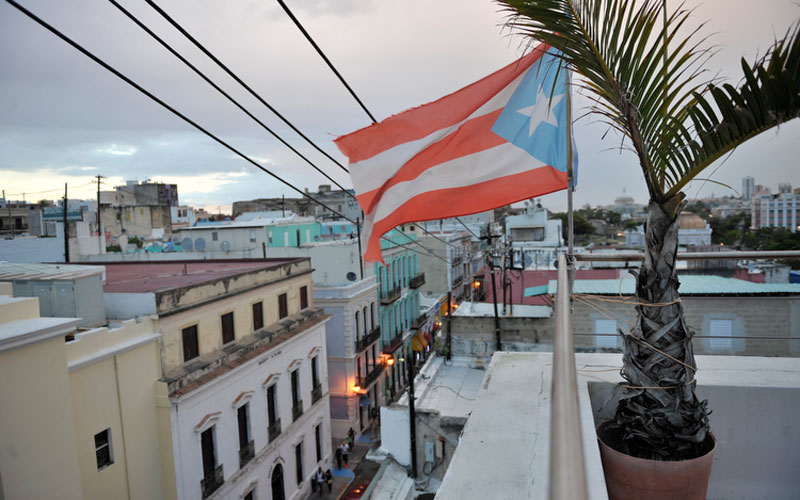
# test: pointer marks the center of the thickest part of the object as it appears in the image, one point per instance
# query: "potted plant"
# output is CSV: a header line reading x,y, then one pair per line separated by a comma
x,y
645,80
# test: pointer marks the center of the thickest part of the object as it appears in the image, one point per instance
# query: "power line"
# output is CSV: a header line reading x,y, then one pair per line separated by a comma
x,y
322,55
138,87
141,89
341,79
239,80
208,53
218,89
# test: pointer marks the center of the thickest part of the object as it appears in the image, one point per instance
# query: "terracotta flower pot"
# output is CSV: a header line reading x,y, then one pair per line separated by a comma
x,y
632,478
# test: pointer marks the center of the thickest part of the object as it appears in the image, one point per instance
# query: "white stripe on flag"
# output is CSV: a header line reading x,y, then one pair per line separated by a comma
x,y
487,165
374,172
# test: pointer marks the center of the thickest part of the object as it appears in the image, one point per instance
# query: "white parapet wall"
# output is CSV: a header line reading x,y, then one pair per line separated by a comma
x,y
504,452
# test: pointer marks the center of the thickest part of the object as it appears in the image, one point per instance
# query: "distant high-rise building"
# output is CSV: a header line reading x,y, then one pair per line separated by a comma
x,y
748,187
784,187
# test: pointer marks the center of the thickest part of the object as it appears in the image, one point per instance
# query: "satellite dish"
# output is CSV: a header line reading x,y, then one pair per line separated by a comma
x,y
200,244
186,244
225,245
351,276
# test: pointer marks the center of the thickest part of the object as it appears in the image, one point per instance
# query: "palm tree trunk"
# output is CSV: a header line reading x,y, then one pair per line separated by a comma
x,y
668,423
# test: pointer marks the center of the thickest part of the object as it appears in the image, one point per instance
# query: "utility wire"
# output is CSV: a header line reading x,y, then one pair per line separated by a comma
x,y
208,53
327,61
239,80
341,79
162,103
130,82
218,89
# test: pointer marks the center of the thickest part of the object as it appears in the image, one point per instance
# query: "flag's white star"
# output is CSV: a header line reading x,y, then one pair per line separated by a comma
x,y
541,112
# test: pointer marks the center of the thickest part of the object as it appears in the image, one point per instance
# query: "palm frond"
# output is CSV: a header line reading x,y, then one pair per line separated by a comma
x,y
678,123
711,127
615,46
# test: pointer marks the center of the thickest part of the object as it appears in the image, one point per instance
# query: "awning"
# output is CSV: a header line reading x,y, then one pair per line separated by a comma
x,y
363,401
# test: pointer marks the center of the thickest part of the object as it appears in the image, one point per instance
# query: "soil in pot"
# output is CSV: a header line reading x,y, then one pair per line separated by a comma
x,y
632,478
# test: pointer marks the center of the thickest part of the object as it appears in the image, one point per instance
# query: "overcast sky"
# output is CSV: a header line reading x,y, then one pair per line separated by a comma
x,y
63,118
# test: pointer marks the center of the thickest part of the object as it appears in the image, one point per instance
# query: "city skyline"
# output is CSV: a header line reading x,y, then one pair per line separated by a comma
x,y
65,119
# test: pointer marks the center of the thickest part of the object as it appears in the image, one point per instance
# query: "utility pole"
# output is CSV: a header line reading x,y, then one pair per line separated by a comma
x,y
489,236
66,227
449,339
412,416
360,258
10,217
99,229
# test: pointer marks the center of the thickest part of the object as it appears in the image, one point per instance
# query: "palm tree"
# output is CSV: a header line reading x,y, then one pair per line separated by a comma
x,y
645,80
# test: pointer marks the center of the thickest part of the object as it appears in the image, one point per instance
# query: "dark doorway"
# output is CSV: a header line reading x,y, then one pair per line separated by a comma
x,y
277,483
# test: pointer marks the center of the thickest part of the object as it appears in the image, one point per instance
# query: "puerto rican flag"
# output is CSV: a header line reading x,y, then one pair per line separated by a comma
x,y
497,141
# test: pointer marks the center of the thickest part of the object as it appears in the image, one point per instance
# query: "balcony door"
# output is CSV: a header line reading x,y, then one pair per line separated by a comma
x,y
277,483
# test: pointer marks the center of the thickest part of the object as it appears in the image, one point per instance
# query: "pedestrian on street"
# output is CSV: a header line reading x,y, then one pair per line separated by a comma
x,y
320,478
339,457
329,480
345,452
351,438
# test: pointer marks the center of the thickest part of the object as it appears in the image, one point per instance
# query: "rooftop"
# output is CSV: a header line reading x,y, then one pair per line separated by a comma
x,y
518,310
154,276
17,271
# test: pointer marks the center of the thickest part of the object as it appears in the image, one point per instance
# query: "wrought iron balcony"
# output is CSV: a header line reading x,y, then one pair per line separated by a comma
x,y
395,343
211,483
297,410
247,453
417,281
372,376
390,296
458,280
316,393
274,430
457,259
367,340
419,322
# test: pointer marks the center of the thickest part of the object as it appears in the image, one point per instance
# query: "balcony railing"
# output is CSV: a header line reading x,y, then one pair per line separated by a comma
x,y
396,342
419,322
247,453
316,393
417,281
372,376
456,260
212,482
367,340
297,410
274,430
390,296
458,280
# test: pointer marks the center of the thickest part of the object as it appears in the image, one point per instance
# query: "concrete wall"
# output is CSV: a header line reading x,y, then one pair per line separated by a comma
x,y
750,316
112,382
758,441
38,451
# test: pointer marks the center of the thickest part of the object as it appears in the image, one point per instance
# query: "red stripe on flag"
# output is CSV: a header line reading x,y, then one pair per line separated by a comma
x,y
467,200
424,120
472,137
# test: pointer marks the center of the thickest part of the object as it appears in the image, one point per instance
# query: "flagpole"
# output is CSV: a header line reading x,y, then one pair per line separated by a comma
x,y
570,186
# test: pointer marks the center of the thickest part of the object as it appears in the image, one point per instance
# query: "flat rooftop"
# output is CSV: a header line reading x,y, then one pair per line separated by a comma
x,y
450,388
154,276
